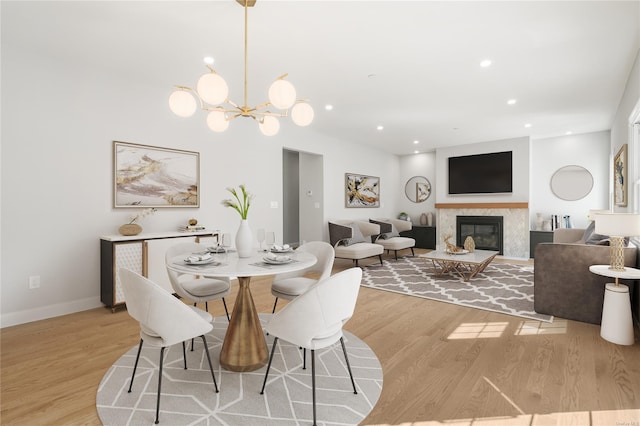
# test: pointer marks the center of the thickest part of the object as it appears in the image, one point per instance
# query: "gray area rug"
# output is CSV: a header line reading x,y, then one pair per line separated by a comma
x,y
501,287
189,398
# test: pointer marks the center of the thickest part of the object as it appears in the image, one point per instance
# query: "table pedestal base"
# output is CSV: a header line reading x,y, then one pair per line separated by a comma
x,y
244,347
617,325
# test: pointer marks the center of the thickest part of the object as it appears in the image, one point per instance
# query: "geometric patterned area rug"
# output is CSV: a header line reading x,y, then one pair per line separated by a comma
x,y
188,396
501,287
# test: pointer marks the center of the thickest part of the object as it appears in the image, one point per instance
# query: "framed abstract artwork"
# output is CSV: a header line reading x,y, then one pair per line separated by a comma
x,y
362,190
149,176
620,186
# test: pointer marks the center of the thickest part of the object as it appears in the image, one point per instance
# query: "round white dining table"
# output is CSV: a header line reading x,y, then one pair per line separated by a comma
x,y
244,347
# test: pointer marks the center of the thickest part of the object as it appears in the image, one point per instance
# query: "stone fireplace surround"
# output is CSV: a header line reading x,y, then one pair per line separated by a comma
x,y
515,223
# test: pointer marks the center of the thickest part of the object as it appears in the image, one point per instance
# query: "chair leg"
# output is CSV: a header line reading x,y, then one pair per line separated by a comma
x,y
304,358
274,306
206,306
184,354
396,253
313,383
346,358
356,260
135,366
159,386
266,374
191,345
206,350
380,256
412,253
226,311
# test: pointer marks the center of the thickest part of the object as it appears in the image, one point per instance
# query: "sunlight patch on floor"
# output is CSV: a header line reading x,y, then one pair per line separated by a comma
x,y
582,418
529,328
478,330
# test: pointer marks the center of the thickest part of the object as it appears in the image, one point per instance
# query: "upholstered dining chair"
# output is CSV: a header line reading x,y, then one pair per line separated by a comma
x,y
314,320
164,321
196,289
293,284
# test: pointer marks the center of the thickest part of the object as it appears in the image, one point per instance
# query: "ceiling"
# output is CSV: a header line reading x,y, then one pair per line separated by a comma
x,y
410,66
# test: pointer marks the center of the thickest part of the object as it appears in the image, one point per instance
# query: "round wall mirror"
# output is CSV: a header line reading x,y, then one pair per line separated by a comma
x,y
418,189
571,183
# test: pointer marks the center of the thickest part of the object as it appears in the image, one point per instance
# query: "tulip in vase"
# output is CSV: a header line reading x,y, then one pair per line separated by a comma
x,y
244,236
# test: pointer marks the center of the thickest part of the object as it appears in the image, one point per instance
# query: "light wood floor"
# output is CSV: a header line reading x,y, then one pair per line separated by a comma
x,y
442,363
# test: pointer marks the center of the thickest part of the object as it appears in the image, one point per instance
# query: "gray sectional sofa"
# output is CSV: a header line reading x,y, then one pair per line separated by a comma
x,y
564,286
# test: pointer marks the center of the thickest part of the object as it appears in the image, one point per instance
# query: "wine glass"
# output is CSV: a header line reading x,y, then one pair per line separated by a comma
x,y
261,237
270,238
226,241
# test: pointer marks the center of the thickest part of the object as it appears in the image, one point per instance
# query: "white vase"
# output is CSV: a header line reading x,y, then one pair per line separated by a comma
x,y
429,219
539,221
244,240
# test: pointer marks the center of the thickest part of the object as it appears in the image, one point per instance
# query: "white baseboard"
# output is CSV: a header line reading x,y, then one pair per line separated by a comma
x,y
50,311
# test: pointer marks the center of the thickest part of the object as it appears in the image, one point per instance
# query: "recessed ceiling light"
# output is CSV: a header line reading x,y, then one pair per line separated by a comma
x,y
486,63
569,132
527,125
511,102
328,107
416,142
380,127
416,152
208,60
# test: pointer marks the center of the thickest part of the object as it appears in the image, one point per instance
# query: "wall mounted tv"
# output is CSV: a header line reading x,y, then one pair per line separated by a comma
x,y
481,173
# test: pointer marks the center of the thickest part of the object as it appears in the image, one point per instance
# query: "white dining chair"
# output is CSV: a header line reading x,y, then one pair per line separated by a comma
x,y
314,320
290,285
191,287
164,321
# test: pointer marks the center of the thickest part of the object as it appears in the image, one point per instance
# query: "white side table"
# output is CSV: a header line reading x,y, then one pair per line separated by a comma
x,y
617,325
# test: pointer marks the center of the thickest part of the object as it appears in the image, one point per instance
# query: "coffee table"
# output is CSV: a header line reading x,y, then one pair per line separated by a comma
x,y
466,264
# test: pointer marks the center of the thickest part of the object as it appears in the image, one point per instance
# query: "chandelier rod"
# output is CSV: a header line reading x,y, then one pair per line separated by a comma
x,y
246,44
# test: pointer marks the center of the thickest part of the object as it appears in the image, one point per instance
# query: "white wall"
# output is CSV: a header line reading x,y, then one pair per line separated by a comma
x,y
591,151
422,164
58,123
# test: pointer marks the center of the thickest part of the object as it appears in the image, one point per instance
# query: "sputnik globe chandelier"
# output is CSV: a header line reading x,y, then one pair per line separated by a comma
x,y
212,94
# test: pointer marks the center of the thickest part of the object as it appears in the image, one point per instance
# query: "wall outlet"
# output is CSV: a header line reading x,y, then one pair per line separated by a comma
x,y
34,282
274,204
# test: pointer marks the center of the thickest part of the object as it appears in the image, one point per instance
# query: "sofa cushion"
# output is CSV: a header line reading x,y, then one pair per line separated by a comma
x,y
590,237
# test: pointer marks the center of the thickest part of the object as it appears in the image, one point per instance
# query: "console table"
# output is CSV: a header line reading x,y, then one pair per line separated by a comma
x,y
425,236
142,253
537,237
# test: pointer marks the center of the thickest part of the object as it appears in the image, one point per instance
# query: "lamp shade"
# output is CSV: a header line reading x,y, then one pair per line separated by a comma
x,y
212,88
269,126
618,224
593,212
302,114
217,121
282,94
182,103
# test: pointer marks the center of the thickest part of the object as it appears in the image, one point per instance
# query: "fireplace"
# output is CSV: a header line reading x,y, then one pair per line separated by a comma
x,y
486,231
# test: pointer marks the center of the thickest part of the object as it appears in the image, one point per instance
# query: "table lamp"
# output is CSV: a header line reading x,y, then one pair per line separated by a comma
x,y
591,216
617,226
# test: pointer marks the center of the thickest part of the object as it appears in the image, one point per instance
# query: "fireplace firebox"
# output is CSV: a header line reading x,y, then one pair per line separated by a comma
x,y
486,231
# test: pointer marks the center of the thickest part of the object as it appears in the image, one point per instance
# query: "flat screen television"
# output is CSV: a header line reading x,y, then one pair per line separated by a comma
x,y
481,173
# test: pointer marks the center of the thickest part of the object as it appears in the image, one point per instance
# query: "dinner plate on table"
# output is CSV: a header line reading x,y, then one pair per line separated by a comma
x,y
278,261
287,250
458,252
199,262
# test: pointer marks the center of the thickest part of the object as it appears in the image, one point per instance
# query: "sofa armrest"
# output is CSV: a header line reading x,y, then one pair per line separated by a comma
x,y
563,285
567,235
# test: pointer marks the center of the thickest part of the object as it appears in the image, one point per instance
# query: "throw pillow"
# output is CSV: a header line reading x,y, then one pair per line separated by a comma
x,y
356,235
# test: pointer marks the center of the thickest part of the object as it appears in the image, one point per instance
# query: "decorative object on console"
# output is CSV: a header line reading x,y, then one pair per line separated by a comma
x,y
244,236
429,219
148,176
620,186
617,226
133,228
362,190
423,219
546,226
211,91
469,244
539,221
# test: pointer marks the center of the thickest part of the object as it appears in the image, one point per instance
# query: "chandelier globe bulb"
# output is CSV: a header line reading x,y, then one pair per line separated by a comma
x,y
212,88
269,126
282,94
302,114
182,103
217,120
